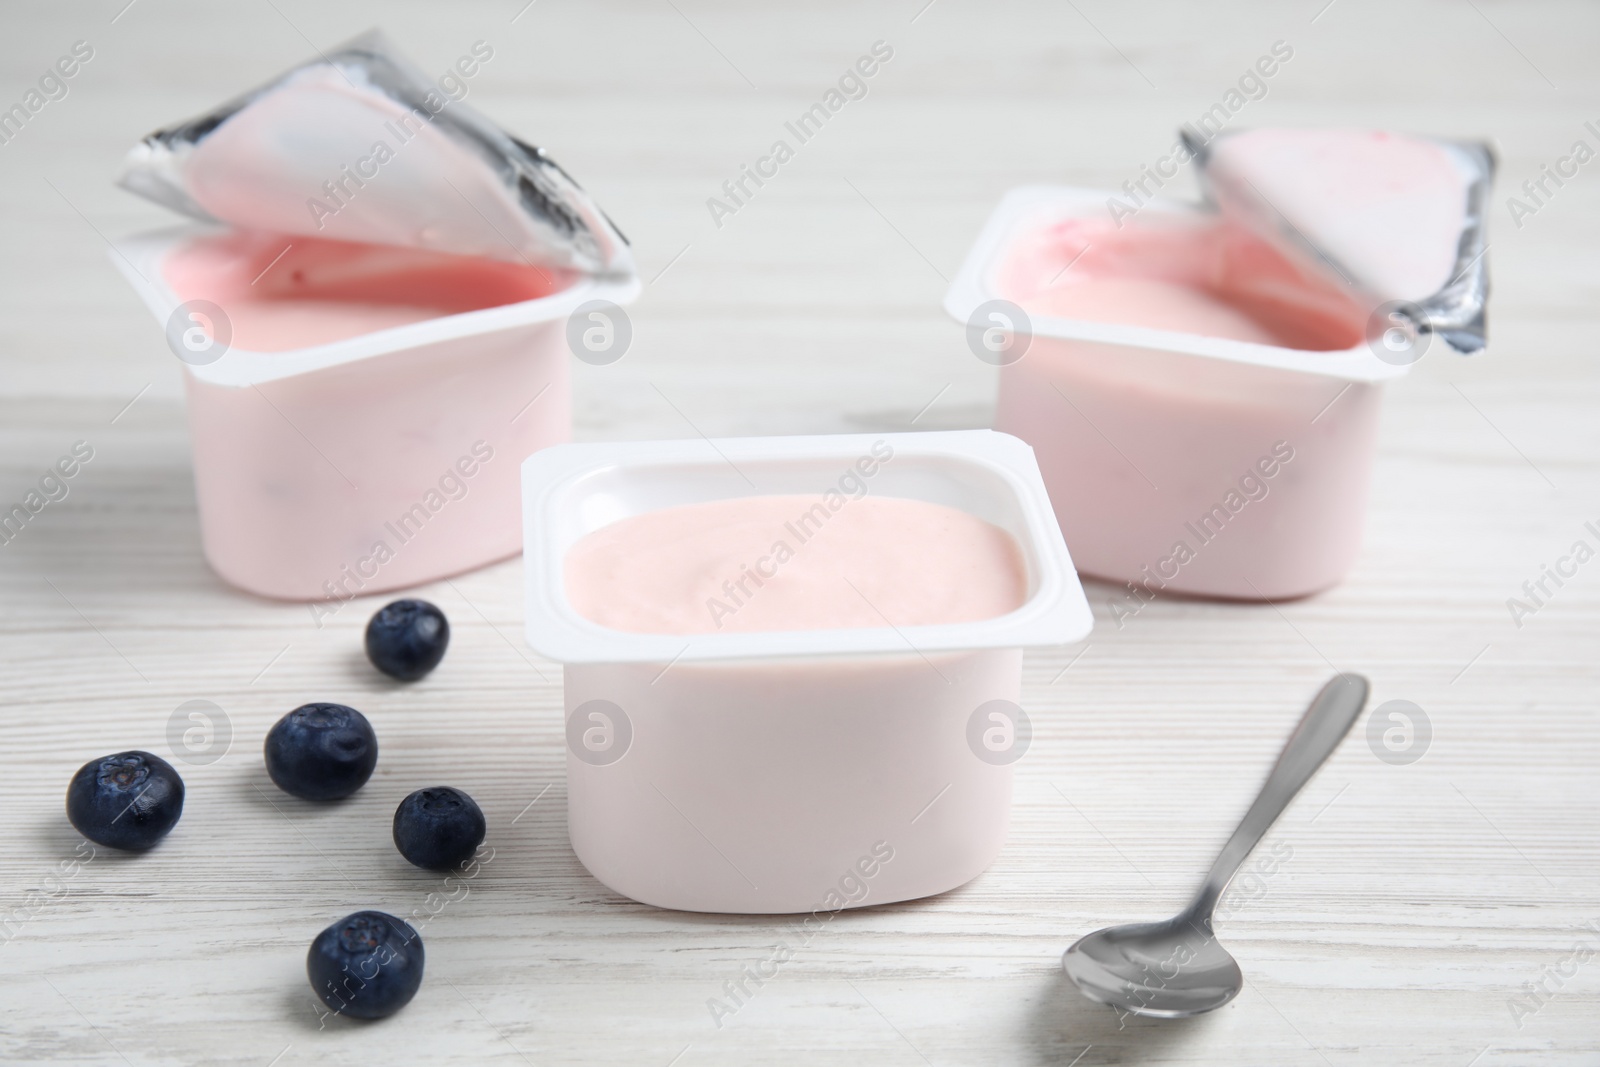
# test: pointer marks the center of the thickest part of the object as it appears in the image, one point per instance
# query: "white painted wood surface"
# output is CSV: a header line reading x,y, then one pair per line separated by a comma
x,y
1418,900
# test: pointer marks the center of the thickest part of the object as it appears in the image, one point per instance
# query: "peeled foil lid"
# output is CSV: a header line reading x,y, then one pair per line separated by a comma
x,y
360,146
1398,220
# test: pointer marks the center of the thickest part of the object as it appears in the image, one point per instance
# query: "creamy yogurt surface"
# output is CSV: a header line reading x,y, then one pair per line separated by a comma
x,y
1194,274
284,292
793,562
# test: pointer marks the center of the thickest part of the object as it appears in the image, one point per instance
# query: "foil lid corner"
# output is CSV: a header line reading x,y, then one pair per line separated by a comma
x,y
359,145
1313,224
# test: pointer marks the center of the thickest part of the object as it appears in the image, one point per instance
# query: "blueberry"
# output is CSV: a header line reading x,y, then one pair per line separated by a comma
x,y
130,800
438,829
368,965
321,751
407,639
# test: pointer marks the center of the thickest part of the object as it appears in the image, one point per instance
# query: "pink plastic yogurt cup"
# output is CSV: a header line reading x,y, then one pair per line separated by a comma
x,y
359,462
806,770
1178,462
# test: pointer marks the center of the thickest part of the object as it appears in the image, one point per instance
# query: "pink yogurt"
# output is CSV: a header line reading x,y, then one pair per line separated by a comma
x,y
283,293
1180,273
363,430
765,563
1189,393
882,588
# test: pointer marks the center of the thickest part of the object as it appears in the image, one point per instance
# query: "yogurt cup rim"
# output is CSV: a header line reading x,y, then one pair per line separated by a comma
x,y
973,285
1055,613
139,259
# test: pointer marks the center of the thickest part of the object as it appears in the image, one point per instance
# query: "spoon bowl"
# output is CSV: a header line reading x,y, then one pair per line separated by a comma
x,y
1169,970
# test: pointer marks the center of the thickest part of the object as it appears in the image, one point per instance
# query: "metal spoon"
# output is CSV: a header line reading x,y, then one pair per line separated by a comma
x,y
1177,968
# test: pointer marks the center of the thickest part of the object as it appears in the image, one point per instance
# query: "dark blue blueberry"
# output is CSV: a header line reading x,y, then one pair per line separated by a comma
x,y
407,639
321,751
439,828
130,800
367,965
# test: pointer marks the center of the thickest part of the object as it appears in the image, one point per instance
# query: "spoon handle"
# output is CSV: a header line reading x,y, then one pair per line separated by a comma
x,y
1321,729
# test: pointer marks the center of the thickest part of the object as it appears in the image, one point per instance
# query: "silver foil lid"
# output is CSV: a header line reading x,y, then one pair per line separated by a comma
x,y
358,145
1322,197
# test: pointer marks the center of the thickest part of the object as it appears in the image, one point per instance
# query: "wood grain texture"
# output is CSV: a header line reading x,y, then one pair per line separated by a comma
x,y
1416,900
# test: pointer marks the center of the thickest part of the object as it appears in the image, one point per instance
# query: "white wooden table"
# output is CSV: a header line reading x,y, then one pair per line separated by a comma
x,y
1417,902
